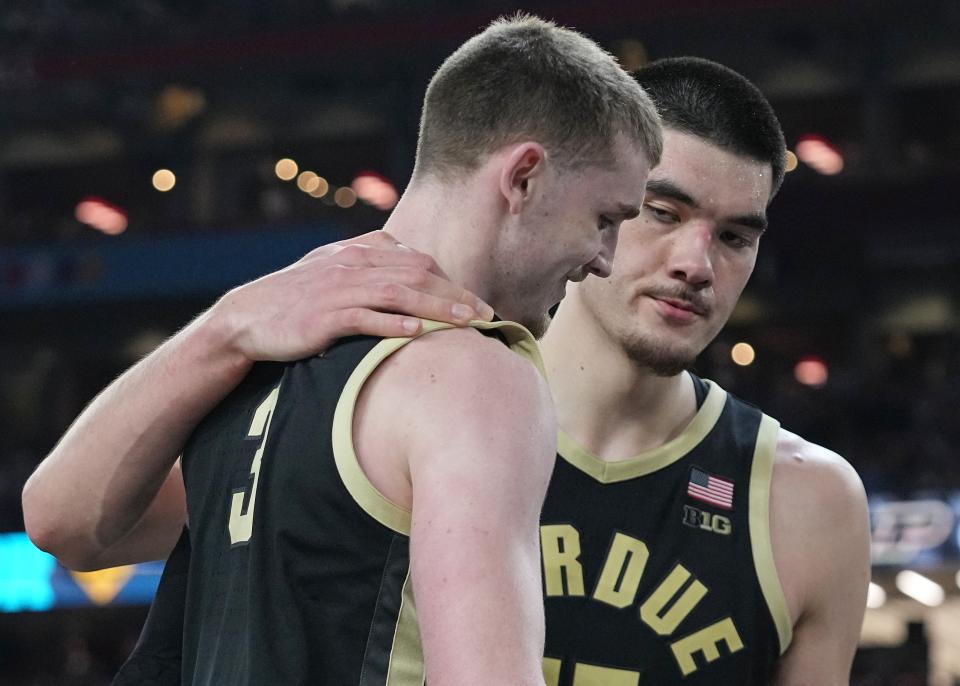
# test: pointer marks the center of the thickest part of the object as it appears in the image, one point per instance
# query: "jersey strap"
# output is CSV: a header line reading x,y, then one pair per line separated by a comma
x,y
361,490
760,476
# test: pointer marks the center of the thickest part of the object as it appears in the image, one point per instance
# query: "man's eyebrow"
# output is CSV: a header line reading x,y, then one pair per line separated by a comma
x,y
757,222
668,189
671,190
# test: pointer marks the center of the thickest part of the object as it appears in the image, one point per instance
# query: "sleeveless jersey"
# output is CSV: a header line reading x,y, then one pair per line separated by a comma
x,y
299,567
658,569
156,660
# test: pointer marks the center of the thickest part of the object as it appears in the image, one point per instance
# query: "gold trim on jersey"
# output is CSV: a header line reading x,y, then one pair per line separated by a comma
x,y
406,667
651,460
366,495
764,454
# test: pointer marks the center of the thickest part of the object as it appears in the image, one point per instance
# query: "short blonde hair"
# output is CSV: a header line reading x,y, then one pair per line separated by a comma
x,y
525,78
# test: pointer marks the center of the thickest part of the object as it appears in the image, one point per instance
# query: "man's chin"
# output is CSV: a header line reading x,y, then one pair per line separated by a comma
x,y
536,325
661,359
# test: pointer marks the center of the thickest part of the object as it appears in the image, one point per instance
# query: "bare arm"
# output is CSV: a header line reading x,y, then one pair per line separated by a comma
x,y
476,425
94,502
821,542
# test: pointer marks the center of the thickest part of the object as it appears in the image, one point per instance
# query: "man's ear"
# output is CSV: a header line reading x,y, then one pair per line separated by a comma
x,y
523,167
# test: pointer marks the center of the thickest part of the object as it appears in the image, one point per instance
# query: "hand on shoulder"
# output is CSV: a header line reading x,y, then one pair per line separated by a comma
x,y
370,285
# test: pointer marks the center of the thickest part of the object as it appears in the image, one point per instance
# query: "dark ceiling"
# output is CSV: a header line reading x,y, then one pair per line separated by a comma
x,y
87,79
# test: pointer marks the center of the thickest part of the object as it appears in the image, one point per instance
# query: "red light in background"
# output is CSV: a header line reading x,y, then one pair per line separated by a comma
x,y
101,215
374,189
811,371
819,154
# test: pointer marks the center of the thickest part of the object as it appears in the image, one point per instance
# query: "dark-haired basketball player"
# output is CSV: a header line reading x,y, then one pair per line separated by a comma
x,y
686,537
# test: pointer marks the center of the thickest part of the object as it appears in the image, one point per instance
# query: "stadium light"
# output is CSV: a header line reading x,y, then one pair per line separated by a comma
x,y
876,596
920,588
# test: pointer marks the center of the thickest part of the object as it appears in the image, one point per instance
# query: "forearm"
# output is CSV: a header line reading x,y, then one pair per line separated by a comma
x,y
95,486
102,476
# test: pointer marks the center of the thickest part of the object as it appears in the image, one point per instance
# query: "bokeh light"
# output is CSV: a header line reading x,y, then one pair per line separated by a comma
x,y
307,181
374,189
101,215
322,188
345,197
790,161
819,154
164,180
811,371
286,169
743,354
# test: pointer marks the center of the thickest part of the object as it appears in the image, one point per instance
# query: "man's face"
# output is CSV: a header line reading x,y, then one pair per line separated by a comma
x,y
569,232
684,261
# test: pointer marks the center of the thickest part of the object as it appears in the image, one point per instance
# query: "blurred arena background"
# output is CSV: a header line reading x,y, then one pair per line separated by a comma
x,y
155,153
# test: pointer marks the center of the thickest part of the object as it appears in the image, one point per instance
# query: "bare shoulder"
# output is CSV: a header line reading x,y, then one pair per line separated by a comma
x,y
467,353
819,528
816,476
444,375
451,394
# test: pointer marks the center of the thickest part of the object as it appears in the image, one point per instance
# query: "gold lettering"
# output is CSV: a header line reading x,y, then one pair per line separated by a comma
x,y
704,520
560,548
551,671
625,563
240,524
705,641
721,524
592,675
652,610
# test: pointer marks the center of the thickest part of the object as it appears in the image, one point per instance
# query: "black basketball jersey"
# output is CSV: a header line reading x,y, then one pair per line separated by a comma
x,y
659,569
299,567
157,659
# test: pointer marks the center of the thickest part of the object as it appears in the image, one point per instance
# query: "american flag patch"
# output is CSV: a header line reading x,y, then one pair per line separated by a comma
x,y
710,489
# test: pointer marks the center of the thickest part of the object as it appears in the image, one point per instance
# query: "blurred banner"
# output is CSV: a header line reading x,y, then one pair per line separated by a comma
x,y
923,533
190,265
33,581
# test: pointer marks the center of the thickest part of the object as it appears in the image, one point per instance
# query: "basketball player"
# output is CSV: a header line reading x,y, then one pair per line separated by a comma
x,y
686,537
326,493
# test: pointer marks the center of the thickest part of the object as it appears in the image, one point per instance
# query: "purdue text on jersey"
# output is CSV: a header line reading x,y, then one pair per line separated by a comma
x,y
645,585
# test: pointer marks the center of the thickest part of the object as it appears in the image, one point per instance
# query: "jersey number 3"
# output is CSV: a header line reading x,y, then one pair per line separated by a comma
x,y
241,520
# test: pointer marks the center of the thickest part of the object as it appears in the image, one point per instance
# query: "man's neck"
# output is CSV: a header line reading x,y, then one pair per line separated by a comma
x,y
451,225
605,401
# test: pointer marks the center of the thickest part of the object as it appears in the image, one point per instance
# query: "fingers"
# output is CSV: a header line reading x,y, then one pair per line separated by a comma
x,y
376,258
362,321
440,295
362,265
385,309
391,297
